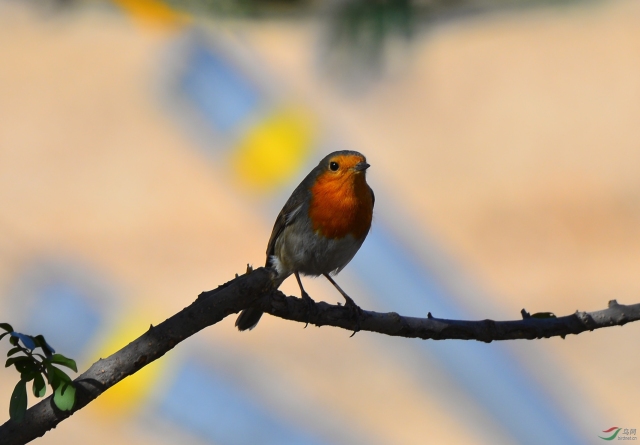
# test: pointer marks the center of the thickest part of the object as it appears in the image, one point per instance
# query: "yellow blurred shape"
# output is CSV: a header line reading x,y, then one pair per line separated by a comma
x,y
154,12
127,395
271,152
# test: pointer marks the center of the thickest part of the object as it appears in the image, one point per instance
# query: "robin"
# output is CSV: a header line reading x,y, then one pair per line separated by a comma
x,y
321,226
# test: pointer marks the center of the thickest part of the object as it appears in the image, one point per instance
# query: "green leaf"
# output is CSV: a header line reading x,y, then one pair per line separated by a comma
x,y
543,315
60,359
51,375
39,387
46,347
18,403
29,375
57,377
14,340
14,351
3,335
27,370
6,326
12,360
36,342
65,397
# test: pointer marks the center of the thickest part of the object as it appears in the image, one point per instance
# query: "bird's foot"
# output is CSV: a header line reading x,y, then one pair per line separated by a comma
x,y
355,312
311,307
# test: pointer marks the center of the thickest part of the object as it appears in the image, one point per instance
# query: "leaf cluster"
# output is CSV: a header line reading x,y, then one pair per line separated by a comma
x,y
34,359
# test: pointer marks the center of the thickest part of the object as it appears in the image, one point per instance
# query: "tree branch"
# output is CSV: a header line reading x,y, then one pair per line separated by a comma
x,y
256,289
430,328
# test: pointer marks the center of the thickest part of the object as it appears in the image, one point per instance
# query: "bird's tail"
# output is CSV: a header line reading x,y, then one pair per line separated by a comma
x,y
249,317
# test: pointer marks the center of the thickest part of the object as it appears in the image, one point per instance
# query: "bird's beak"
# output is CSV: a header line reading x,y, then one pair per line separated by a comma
x,y
361,166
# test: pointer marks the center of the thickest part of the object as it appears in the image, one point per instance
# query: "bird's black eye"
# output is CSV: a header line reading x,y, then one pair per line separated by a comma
x,y
334,166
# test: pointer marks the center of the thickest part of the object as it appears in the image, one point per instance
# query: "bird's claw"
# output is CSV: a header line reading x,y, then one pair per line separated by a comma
x,y
355,313
311,307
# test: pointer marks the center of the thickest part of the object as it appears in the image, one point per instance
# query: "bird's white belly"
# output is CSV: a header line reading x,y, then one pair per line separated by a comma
x,y
312,254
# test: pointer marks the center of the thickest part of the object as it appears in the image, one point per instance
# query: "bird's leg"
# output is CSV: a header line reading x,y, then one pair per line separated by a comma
x,y
350,301
311,305
354,309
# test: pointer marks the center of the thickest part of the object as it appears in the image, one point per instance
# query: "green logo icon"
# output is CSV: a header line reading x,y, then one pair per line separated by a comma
x,y
613,436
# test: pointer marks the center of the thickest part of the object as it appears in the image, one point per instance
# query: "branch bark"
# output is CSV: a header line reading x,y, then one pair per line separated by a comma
x,y
431,328
256,289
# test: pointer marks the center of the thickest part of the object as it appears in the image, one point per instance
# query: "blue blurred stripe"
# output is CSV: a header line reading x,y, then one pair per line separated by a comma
x,y
219,90
61,300
64,315
203,401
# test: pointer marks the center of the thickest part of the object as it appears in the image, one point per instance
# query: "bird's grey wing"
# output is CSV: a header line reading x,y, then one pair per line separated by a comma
x,y
287,215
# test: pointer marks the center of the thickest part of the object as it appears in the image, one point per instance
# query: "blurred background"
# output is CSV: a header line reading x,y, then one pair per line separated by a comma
x,y
146,148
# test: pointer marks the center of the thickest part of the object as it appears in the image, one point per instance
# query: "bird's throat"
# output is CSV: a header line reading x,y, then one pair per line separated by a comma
x,y
341,206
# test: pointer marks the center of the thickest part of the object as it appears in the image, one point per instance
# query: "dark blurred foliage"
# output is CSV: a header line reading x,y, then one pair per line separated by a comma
x,y
357,10
360,28
357,32
244,8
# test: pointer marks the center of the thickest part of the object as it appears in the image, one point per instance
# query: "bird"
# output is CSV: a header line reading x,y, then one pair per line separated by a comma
x,y
321,227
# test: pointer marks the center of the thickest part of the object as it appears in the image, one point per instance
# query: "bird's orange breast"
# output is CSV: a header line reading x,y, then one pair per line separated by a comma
x,y
341,205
